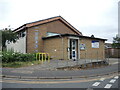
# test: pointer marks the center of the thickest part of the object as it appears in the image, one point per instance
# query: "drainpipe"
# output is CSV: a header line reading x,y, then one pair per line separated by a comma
x,y
62,46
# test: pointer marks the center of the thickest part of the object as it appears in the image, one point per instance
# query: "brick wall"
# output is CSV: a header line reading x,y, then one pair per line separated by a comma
x,y
55,27
56,47
92,53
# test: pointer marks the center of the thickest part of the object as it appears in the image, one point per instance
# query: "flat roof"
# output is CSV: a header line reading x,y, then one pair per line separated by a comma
x,y
63,35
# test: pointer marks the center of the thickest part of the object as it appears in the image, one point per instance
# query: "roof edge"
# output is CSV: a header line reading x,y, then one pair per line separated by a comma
x,y
46,21
72,35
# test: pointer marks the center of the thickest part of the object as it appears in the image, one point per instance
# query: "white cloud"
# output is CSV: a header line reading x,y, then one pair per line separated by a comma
x,y
82,14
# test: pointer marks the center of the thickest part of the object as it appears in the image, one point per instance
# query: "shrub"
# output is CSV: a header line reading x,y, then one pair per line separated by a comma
x,y
10,56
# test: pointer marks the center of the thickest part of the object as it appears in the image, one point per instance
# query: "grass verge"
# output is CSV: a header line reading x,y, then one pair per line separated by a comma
x,y
20,64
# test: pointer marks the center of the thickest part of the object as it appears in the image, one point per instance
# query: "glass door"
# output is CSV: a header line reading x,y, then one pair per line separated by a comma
x,y
73,45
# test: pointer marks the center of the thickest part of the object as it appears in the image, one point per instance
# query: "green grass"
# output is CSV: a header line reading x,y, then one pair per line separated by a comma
x,y
20,64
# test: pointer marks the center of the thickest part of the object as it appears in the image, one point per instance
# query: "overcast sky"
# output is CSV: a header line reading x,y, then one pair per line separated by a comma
x,y
97,17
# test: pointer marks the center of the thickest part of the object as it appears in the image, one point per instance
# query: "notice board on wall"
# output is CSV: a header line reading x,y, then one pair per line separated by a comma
x,y
95,44
82,46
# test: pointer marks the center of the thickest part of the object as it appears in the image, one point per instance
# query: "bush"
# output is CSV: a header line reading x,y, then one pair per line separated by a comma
x,y
10,56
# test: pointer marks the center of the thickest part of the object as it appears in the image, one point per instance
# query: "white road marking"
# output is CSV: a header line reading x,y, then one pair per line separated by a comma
x,y
112,81
108,86
102,79
96,84
116,77
115,63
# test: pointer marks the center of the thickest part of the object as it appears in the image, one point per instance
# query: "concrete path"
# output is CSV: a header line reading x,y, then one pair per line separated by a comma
x,y
54,64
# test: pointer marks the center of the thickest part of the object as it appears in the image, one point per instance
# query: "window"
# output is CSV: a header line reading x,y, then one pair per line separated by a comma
x,y
36,46
36,33
36,37
36,41
52,34
22,34
73,54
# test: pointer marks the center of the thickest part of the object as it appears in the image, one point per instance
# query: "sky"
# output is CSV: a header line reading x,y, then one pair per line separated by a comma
x,y
91,17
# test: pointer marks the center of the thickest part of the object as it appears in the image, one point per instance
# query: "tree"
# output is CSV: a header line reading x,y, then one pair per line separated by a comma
x,y
116,42
8,35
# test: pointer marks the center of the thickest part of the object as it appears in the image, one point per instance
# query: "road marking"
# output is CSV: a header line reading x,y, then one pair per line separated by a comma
x,y
112,81
108,86
96,84
102,79
47,82
115,63
52,82
116,77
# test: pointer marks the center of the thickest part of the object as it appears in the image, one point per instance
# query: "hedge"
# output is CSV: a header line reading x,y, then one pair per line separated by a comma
x,y
10,56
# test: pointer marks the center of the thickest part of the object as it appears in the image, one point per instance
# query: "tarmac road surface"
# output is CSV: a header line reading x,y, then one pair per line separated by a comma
x,y
105,82
60,73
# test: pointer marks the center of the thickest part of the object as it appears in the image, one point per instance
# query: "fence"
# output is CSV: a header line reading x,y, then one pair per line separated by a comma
x,y
112,53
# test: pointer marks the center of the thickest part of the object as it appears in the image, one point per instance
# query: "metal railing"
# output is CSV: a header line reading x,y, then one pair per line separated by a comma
x,y
53,64
43,57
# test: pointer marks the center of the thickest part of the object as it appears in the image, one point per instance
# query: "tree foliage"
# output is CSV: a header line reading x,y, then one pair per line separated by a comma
x,y
116,42
9,36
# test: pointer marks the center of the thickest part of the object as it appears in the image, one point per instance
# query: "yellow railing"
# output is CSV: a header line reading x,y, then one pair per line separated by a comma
x,y
43,57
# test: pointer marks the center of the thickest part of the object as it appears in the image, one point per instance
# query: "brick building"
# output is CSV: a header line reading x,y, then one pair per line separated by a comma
x,y
58,38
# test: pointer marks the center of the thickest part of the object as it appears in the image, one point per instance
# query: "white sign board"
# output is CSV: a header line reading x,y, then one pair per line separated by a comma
x,y
95,44
82,46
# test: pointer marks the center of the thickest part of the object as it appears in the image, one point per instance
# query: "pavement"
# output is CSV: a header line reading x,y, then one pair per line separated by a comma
x,y
49,71
107,82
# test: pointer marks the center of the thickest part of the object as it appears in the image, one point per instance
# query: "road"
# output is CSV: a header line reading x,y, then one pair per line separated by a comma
x,y
60,73
107,81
